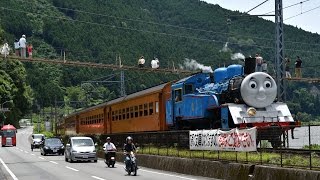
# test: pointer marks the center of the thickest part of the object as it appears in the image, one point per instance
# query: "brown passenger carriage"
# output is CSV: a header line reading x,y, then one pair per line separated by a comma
x,y
137,112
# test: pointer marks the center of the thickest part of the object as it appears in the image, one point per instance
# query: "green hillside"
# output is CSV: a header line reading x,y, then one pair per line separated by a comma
x,y
99,30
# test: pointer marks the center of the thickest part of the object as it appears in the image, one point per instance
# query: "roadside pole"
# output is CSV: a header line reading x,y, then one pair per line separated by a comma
x,y
39,119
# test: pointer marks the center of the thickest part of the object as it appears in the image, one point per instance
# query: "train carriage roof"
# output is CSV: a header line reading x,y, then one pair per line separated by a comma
x,y
117,100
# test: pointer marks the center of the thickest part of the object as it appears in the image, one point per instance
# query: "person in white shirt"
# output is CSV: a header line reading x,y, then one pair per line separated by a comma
x,y
141,62
155,63
16,47
108,146
5,50
23,46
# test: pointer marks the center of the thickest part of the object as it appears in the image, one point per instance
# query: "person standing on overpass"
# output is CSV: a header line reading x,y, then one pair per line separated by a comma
x,y
23,46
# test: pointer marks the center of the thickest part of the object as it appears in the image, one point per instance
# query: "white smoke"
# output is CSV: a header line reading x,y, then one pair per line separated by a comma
x,y
191,64
225,48
237,56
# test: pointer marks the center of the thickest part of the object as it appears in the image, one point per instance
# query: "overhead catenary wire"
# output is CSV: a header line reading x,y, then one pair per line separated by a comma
x,y
302,13
292,5
257,6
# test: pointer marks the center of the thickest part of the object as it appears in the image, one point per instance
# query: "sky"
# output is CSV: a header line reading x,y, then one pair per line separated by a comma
x,y
308,21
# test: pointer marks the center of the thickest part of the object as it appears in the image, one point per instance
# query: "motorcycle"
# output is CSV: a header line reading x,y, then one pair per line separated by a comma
x,y
131,164
110,158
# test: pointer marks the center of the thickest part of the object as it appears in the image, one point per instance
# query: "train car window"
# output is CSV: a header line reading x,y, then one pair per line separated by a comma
x,y
120,114
157,107
123,113
177,95
188,89
150,108
145,108
112,115
128,113
131,112
140,110
116,114
136,113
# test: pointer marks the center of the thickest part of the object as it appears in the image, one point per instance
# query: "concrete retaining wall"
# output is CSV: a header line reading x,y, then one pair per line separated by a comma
x,y
220,170
272,173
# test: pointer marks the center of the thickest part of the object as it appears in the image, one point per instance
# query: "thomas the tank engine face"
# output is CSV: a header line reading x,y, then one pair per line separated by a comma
x,y
258,90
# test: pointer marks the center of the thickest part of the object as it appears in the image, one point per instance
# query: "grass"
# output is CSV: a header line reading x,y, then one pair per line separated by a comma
x,y
288,160
313,147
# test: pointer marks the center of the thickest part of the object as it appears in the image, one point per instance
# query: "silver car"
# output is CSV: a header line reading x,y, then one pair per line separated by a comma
x,y
80,149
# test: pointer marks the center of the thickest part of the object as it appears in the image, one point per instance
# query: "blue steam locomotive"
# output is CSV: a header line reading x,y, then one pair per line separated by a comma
x,y
232,97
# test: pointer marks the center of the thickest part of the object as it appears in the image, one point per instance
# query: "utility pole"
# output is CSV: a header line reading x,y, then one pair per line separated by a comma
x,y
279,55
38,125
55,114
51,114
122,86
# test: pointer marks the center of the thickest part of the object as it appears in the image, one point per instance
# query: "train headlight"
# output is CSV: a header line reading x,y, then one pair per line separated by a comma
x,y
251,111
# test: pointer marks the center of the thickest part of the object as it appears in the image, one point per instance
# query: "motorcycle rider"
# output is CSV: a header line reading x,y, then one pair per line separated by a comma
x,y
128,148
108,146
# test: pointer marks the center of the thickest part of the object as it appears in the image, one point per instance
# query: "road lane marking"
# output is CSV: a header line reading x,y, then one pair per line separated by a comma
x,y
32,154
97,178
53,162
21,150
14,177
41,157
26,151
181,177
72,168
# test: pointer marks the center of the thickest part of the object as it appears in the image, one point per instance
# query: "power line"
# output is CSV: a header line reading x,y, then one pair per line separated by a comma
x,y
151,32
169,25
257,6
133,29
161,24
288,6
302,13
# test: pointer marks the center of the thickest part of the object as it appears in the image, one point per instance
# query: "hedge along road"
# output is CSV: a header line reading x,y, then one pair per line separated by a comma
x,y
27,165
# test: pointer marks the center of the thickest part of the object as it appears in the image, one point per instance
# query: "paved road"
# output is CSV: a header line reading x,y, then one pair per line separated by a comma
x,y
27,165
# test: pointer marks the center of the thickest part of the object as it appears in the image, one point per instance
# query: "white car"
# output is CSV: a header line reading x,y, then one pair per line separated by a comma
x,y
80,149
36,140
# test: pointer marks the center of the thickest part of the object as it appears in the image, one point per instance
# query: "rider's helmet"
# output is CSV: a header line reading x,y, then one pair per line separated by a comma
x,y
129,139
108,138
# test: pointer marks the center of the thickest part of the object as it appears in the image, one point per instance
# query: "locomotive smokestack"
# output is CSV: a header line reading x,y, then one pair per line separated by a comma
x,y
249,65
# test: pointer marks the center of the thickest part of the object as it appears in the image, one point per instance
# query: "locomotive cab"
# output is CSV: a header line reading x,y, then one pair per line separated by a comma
x,y
185,107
